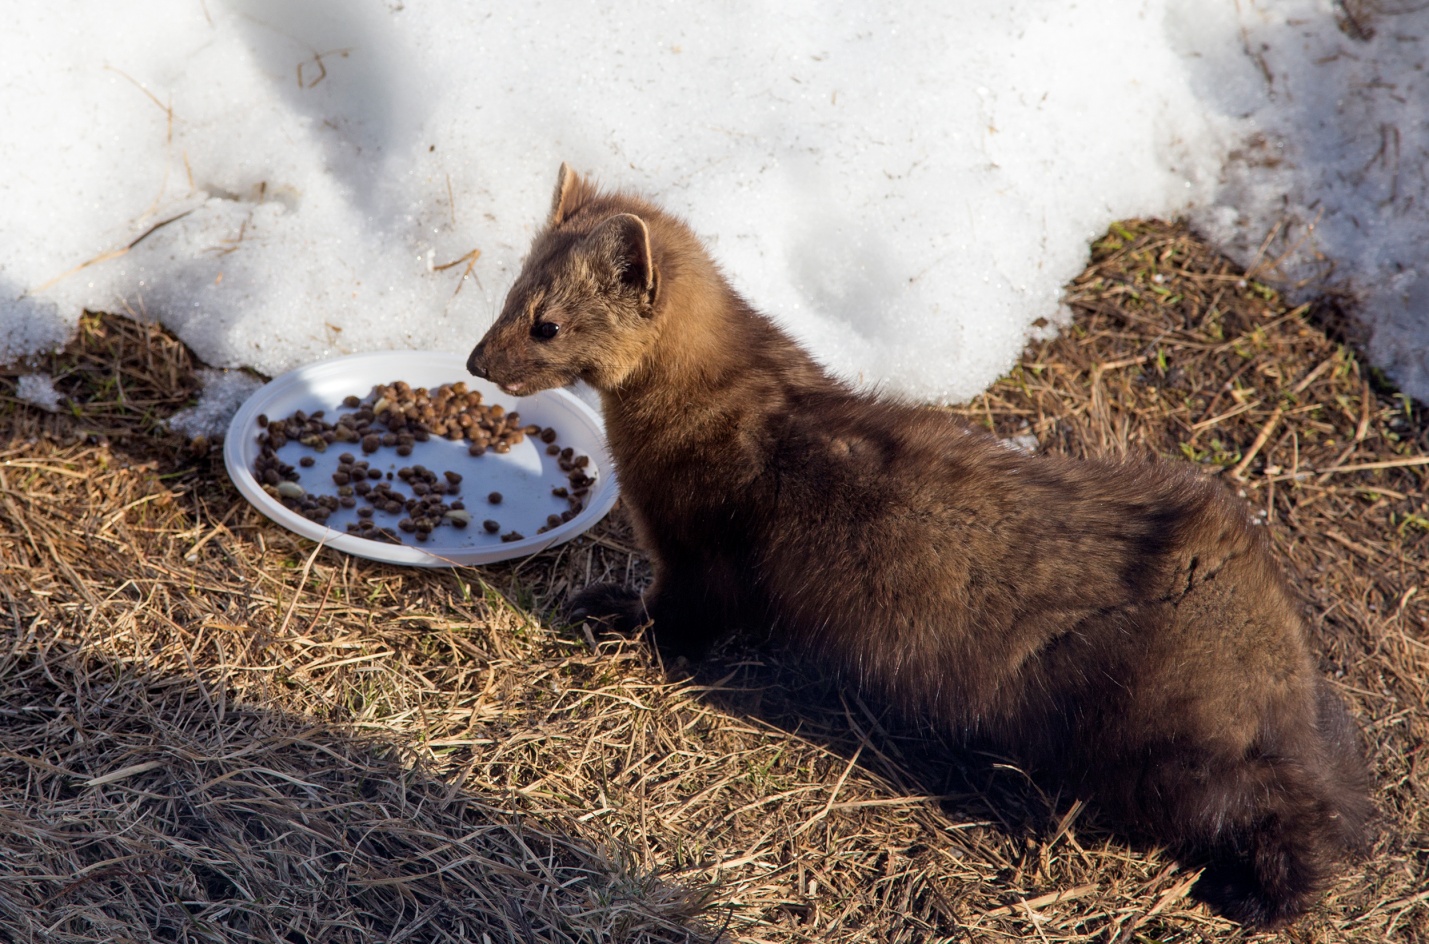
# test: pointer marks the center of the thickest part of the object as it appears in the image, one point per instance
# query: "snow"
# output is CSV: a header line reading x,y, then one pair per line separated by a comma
x,y
38,390
222,394
907,189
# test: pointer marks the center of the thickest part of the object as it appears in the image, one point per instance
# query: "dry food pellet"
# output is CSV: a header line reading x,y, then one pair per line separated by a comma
x,y
398,416
490,526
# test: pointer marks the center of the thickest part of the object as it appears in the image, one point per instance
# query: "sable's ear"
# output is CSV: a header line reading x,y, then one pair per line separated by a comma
x,y
622,244
569,188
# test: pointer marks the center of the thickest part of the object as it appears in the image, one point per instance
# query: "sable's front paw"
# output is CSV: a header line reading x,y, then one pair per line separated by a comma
x,y
612,606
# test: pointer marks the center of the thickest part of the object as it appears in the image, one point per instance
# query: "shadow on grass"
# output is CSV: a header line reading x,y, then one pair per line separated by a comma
x,y
138,807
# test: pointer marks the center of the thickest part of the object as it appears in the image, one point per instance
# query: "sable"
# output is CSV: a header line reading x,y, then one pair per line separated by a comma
x,y
1120,625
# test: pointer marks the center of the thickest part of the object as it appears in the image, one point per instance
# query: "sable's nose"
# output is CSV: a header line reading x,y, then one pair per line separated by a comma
x,y
476,363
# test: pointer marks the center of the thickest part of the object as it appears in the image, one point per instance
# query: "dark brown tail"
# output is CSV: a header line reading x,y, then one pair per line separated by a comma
x,y
1269,827
1280,822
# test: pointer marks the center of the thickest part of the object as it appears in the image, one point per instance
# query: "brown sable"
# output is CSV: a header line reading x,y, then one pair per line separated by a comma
x,y
1119,625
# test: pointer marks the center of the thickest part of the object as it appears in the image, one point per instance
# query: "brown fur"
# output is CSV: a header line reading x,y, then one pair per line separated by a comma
x,y
1119,623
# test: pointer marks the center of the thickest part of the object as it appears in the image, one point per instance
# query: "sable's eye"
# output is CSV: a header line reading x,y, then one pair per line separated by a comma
x,y
545,330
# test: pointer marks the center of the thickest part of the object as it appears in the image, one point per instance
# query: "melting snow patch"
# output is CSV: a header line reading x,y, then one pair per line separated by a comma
x,y
39,390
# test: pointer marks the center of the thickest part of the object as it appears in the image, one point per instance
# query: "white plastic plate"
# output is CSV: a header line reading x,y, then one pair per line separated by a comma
x,y
524,476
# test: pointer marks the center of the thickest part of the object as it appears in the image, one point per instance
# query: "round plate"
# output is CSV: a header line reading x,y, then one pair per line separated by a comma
x,y
524,476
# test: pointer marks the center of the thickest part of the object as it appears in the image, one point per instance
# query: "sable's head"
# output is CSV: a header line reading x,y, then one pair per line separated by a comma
x,y
583,307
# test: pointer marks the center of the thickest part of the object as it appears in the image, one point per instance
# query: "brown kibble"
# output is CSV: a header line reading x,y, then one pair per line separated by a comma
x,y
306,462
490,526
371,443
553,450
453,478
494,498
553,520
548,435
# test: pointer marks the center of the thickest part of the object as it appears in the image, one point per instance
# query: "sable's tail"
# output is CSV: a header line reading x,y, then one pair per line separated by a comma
x,y
1287,820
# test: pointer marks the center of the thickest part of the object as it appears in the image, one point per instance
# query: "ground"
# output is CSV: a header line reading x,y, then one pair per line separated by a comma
x,y
212,730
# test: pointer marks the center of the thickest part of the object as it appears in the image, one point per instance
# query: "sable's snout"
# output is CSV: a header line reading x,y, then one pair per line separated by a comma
x,y
476,363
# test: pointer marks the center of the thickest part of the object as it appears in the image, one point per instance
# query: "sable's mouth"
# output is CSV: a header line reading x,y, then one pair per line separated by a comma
x,y
513,387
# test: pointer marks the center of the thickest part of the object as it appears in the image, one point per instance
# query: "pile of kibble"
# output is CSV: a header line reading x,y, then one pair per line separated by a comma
x,y
398,416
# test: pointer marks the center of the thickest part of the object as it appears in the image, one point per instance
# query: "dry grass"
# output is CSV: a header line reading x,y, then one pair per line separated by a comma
x,y
210,730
